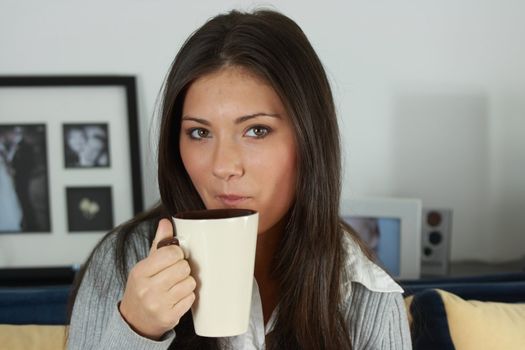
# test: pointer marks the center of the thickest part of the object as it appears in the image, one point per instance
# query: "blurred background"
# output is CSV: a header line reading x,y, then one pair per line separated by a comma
x,y
430,94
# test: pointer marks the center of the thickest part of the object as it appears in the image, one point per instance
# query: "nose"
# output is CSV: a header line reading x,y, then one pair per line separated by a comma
x,y
227,160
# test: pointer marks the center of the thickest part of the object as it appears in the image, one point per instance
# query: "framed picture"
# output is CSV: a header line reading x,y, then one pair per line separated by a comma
x,y
69,163
24,190
89,209
86,145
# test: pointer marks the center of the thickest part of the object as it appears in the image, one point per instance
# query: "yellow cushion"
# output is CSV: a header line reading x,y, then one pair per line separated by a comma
x,y
29,337
476,325
442,320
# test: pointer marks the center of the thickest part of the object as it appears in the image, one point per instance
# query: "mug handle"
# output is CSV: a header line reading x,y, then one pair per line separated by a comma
x,y
173,241
168,241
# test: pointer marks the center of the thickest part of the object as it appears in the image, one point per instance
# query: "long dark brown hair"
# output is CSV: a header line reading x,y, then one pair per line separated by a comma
x,y
309,262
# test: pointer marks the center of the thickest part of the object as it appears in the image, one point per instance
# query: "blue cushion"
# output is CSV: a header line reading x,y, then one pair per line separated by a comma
x,y
429,322
495,277
499,287
508,292
30,305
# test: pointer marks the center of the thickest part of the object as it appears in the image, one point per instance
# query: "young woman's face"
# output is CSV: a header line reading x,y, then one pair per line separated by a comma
x,y
76,139
238,145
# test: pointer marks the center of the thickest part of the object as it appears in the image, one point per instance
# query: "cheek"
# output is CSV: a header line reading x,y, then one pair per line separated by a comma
x,y
286,178
194,162
277,178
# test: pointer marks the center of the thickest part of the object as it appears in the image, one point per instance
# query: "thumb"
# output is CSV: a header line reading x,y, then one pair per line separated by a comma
x,y
164,232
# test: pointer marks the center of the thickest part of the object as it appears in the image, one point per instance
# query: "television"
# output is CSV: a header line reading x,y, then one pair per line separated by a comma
x,y
391,228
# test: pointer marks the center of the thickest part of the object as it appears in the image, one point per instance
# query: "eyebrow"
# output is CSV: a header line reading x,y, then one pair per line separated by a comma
x,y
239,120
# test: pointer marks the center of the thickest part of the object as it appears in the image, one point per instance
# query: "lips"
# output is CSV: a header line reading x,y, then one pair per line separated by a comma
x,y
232,199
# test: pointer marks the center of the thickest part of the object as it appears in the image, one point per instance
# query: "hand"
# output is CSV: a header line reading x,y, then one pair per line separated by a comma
x,y
159,290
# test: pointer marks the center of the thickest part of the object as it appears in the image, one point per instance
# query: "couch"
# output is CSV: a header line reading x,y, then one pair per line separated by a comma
x,y
33,307
484,312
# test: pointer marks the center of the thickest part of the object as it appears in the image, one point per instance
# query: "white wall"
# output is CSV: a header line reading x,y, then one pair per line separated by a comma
x,y
430,93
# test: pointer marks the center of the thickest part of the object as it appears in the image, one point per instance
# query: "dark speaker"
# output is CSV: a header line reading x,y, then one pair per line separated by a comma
x,y
436,230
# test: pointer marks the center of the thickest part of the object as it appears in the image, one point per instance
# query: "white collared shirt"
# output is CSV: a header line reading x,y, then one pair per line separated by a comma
x,y
358,269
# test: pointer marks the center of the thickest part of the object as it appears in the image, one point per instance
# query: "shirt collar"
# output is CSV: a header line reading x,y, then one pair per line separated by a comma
x,y
359,268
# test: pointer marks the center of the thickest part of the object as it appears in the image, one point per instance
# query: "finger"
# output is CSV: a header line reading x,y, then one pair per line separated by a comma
x,y
183,289
172,275
184,305
164,231
161,259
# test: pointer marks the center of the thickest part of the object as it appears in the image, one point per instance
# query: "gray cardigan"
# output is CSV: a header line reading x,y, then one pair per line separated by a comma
x,y
376,320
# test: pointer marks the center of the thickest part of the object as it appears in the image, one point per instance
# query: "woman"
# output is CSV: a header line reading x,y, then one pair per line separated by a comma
x,y
248,121
76,141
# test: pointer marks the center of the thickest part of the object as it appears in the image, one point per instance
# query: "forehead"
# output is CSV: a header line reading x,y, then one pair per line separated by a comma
x,y
231,90
230,74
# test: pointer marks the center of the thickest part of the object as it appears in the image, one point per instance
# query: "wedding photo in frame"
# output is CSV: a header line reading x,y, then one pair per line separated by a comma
x,y
24,192
61,136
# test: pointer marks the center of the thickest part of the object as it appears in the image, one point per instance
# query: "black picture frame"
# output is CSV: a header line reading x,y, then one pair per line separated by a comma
x,y
62,87
89,208
128,83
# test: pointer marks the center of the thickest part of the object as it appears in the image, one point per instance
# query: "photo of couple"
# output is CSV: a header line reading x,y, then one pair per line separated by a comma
x,y
24,195
86,145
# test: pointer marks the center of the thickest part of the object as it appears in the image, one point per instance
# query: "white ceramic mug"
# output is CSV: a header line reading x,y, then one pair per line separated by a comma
x,y
220,247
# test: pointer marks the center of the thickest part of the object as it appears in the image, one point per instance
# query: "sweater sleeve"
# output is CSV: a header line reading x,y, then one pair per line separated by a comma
x,y
377,320
96,322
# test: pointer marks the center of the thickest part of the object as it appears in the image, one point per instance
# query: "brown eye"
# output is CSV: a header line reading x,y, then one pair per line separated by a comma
x,y
199,133
258,132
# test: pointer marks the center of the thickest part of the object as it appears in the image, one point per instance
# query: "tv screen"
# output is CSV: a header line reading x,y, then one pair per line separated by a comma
x,y
383,236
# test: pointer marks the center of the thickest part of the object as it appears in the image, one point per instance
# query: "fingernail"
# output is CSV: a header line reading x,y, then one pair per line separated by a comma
x,y
168,241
